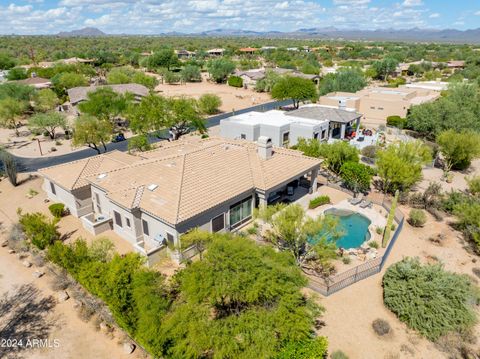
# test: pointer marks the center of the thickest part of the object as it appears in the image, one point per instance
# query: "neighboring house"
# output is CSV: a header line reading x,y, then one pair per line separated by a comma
x,y
185,54
456,64
250,77
285,128
403,67
248,50
79,94
36,82
151,199
378,103
215,52
428,85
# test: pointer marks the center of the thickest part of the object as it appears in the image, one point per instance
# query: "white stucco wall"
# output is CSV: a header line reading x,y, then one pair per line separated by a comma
x,y
79,204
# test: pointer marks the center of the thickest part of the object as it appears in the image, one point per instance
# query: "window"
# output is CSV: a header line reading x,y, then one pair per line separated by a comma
x,y
170,239
243,136
218,223
127,222
145,227
52,187
240,212
286,138
118,218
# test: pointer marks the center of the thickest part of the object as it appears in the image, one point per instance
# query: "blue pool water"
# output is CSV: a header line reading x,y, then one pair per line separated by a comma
x,y
354,226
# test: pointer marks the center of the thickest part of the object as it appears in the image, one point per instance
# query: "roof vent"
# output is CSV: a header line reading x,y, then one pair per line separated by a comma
x,y
152,187
102,175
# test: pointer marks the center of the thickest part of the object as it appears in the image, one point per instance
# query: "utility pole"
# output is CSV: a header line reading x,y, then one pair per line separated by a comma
x,y
39,147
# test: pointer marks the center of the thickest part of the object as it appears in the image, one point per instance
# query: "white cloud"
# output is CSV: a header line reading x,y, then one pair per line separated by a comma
x,y
351,2
14,9
477,13
434,15
410,3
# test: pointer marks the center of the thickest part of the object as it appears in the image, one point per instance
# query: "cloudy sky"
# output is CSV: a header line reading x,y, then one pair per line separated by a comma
x,y
159,16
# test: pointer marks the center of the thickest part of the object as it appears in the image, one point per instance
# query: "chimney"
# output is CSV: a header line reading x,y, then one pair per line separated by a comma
x,y
264,147
342,104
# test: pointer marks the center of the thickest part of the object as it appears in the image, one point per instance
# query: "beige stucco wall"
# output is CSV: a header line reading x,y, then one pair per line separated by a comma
x,y
78,203
381,108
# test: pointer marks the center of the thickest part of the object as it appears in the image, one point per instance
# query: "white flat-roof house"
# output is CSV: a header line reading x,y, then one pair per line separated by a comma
x,y
285,128
151,199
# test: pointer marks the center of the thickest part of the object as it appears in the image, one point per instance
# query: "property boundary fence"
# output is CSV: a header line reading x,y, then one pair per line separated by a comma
x,y
333,284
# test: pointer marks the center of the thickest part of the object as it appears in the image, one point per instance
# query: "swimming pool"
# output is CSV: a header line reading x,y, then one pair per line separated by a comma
x,y
354,225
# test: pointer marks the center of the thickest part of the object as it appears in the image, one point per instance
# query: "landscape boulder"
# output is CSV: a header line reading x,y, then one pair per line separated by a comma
x,y
63,296
128,348
27,264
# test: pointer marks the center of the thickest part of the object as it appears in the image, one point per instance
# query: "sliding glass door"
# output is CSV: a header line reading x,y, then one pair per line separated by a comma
x,y
240,212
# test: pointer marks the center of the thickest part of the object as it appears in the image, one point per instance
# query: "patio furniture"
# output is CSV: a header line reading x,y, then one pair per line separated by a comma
x,y
290,191
357,200
366,204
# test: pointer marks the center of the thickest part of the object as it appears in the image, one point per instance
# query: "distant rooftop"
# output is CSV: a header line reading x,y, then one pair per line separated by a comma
x,y
322,113
273,118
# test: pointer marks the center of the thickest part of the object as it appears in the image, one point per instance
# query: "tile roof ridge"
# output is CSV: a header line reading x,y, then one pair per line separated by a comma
x,y
69,163
180,189
138,196
253,155
81,172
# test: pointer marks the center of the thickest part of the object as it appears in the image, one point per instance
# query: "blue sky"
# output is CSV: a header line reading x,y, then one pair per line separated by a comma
x,y
158,16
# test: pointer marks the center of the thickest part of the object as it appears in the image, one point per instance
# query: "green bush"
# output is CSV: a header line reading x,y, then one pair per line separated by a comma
x,y
338,354
57,209
373,244
318,201
235,81
38,229
139,143
429,299
209,103
314,348
396,121
417,218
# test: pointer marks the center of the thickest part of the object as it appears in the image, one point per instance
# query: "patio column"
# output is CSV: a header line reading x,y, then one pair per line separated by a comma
x,y
357,127
342,131
313,180
262,199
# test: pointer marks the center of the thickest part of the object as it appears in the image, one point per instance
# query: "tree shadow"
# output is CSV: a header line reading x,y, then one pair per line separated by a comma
x,y
25,315
68,235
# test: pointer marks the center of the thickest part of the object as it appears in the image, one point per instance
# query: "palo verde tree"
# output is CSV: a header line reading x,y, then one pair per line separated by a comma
x,y
47,122
149,115
336,154
385,67
295,88
241,301
45,100
356,176
458,148
11,111
91,132
219,69
310,241
345,80
105,104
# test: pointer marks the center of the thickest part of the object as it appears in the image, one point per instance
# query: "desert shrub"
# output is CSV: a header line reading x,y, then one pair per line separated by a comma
x,y
396,121
474,185
60,281
429,299
139,143
314,348
318,201
57,209
338,354
252,230
209,103
85,313
369,151
417,218
453,199
235,81
346,260
38,229
476,271
373,244
38,260
379,230
381,327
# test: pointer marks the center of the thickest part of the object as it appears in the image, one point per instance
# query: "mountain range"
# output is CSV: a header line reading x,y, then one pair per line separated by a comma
x,y
412,35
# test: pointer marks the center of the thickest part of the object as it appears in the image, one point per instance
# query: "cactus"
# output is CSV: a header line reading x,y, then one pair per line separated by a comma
x,y
391,216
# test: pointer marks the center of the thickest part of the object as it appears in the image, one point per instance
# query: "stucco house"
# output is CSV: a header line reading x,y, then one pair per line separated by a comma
x,y
285,128
151,199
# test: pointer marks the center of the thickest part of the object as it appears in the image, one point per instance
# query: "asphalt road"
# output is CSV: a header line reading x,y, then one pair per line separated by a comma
x,y
26,164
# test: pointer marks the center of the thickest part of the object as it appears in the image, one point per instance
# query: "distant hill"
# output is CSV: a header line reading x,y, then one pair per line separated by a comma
x,y
87,31
412,35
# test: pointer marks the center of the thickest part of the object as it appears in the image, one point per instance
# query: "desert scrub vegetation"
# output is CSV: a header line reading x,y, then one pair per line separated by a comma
x,y
57,209
39,230
189,316
429,299
417,218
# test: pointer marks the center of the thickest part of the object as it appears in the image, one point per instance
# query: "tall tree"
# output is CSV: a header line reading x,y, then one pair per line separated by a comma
x,y
338,153
48,122
149,115
91,132
385,67
105,104
185,115
45,100
310,241
219,69
458,148
356,176
345,80
10,113
295,88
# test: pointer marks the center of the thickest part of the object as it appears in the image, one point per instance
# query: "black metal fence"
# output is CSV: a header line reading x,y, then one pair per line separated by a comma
x,y
333,284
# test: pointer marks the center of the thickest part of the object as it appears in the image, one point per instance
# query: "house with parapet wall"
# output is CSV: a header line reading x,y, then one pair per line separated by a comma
x,y
151,199
284,128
